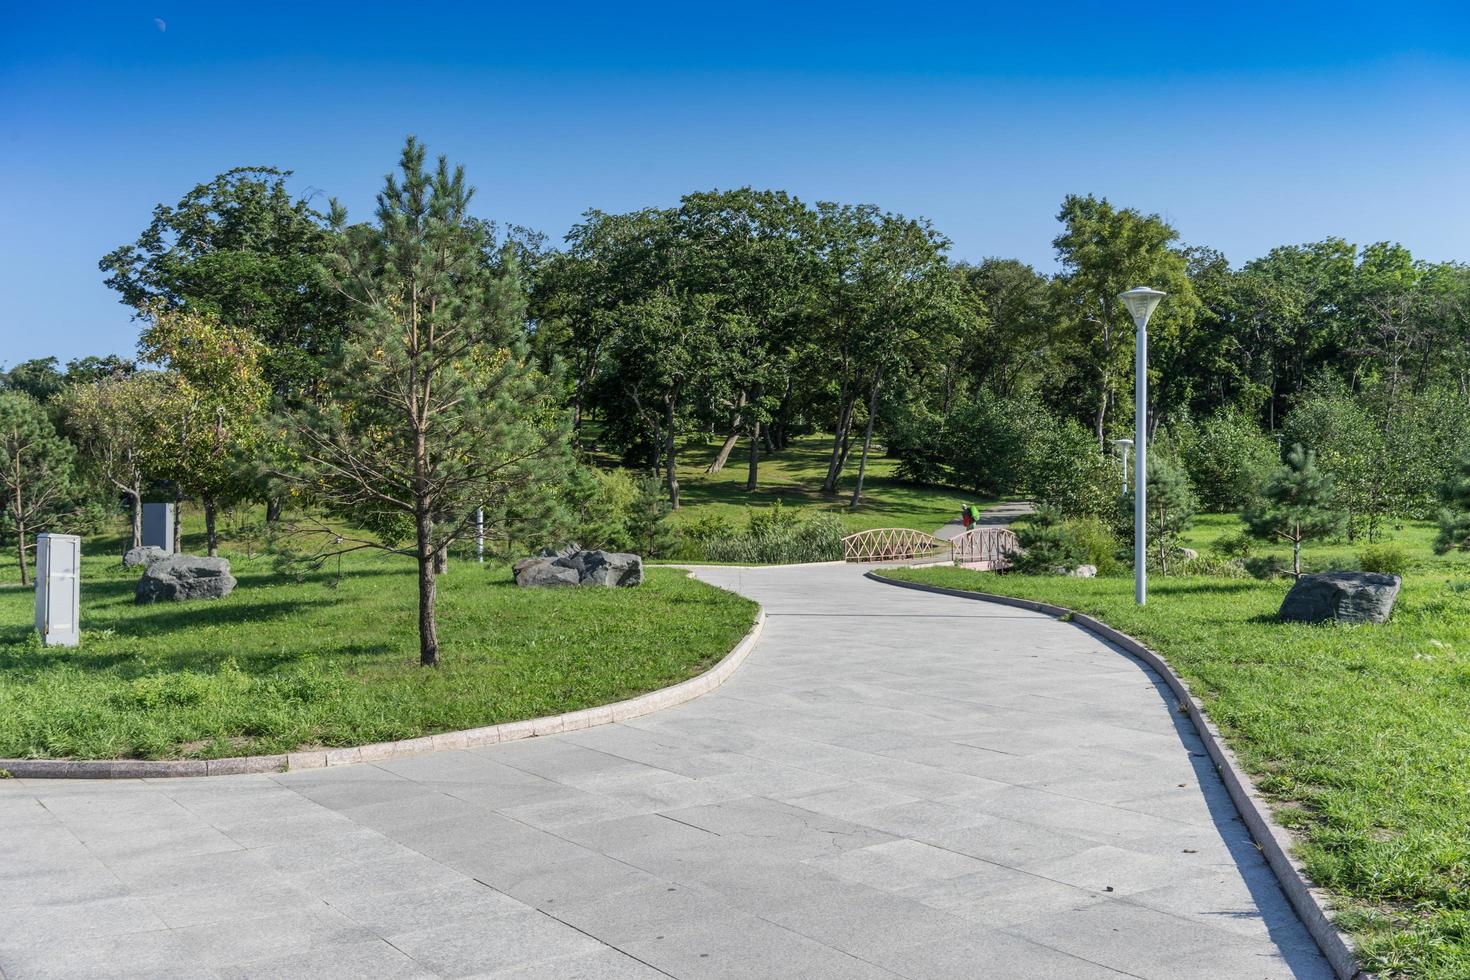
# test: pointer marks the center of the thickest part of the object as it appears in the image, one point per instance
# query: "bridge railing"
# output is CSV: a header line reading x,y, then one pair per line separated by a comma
x,y
891,544
984,548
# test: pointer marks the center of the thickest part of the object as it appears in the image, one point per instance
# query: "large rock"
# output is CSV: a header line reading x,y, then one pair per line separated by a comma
x,y
543,572
180,577
1346,597
145,555
573,566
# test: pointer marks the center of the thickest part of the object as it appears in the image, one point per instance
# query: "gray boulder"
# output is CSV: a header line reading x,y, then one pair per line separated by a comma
x,y
1084,571
573,566
531,572
180,577
144,555
1188,554
1344,597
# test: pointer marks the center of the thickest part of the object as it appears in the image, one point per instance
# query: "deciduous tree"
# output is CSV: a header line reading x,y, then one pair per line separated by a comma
x,y
35,470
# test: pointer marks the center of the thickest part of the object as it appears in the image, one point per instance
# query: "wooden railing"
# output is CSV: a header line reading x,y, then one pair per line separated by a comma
x,y
987,549
892,544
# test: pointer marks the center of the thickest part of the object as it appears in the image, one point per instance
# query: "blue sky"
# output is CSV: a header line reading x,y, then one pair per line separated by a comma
x,y
1246,125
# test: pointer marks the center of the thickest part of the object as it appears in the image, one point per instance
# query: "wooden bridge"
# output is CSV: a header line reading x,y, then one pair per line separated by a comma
x,y
987,549
983,548
892,544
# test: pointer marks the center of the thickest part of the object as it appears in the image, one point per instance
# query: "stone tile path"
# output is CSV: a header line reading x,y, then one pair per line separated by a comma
x,y
894,785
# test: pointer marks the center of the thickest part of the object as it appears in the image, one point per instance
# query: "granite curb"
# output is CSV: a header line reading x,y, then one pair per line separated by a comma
x,y
1274,842
569,721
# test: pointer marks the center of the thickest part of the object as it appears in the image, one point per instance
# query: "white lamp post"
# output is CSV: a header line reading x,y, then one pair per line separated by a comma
x,y
1140,302
1123,446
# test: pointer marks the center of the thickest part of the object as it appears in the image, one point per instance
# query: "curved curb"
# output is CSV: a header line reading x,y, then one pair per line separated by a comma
x,y
570,721
1274,842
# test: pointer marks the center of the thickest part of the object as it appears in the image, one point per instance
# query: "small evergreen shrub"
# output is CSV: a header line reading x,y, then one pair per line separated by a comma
x,y
1386,558
1050,543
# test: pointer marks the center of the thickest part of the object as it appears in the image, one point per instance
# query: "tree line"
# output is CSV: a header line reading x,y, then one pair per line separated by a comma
x,y
401,374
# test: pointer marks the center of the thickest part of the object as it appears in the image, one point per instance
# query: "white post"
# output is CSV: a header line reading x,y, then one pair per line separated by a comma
x,y
58,589
1140,302
480,534
1125,469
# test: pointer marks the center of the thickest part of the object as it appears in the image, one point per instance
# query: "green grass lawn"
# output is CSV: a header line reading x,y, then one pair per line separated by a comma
x,y
794,476
282,664
1361,735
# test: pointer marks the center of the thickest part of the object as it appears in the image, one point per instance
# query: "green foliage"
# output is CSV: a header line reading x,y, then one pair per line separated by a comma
x,y
1171,506
1454,516
1385,557
36,465
241,248
1050,545
1298,502
437,411
1227,457
775,537
650,531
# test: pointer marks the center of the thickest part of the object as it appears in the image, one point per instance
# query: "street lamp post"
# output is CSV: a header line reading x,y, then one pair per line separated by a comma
x,y
1123,446
1140,301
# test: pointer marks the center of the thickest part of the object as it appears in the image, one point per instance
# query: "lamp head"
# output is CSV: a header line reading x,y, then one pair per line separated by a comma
x,y
1141,301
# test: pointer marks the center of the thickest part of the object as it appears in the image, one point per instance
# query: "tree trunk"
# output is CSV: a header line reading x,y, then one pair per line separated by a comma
x,y
736,426
857,491
211,540
20,550
136,495
770,443
839,445
441,559
755,455
273,508
428,625
1100,419
178,540
727,447
671,472
1296,557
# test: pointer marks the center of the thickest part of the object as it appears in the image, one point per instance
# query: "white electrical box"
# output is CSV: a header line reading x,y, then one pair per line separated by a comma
x,y
58,589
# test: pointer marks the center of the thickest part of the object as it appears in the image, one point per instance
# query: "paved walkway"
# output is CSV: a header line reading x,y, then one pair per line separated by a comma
x,y
1001,514
895,784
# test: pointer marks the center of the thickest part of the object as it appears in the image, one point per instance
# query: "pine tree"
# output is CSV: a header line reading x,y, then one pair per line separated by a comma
x,y
1171,506
1454,516
1298,503
648,520
437,409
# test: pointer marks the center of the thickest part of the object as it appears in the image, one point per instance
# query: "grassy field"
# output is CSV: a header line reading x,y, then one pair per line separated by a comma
x,y
282,664
794,476
1361,735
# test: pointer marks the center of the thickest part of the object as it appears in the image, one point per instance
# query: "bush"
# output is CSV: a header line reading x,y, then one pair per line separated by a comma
x,y
1227,458
1099,543
1050,543
778,539
1386,558
1065,471
1238,545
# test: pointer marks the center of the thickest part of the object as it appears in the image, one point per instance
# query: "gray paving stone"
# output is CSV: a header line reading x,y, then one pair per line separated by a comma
x,y
506,941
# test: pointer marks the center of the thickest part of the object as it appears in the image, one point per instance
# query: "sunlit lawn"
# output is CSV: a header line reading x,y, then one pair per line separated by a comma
x,y
281,663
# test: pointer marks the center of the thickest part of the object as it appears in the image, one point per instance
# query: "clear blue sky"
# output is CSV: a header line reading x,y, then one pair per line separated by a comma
x,y
1245,125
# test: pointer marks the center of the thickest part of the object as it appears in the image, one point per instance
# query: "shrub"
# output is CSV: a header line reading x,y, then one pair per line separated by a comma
x,y
1099,543
1386,557
1050,542
1227,457
778,539
1238,545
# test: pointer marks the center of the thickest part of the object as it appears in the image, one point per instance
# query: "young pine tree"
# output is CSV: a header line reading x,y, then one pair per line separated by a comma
x,y
435,409
1171,506
1298,503
1454,516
